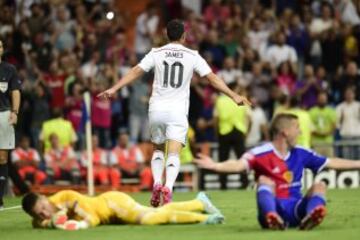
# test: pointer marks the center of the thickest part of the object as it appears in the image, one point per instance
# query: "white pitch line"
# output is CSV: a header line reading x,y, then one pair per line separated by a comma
x,y
10,208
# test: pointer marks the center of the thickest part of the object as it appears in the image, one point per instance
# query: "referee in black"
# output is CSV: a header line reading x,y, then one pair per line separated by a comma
x,y
9,109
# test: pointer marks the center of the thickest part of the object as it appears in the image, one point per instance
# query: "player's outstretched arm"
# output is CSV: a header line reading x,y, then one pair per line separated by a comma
x,y
220,85
131,76
229,166
342,164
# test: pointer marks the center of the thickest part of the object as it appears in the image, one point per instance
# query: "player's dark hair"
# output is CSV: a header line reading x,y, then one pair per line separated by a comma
x,y
29,201
279,122
175,29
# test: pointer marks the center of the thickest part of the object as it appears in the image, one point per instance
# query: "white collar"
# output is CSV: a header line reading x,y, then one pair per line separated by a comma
x,y
277,153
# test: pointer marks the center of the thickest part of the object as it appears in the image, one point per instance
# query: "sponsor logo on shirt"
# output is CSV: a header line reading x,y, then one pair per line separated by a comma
x,y
276,170
3,86
288,176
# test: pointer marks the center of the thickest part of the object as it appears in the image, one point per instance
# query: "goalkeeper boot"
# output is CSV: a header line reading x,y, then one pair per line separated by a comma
x,y
215,219
314,218
208,205
156,194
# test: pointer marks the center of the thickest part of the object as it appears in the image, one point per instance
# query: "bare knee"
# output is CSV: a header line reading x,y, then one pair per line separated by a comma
x,y
318,188
159,147
3,157
174,146
263,180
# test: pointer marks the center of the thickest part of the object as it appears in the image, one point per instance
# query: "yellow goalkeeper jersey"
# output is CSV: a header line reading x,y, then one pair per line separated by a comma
x,y
109,207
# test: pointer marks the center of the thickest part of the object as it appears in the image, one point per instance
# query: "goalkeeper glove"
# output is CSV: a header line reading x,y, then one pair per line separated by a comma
x,y
71,225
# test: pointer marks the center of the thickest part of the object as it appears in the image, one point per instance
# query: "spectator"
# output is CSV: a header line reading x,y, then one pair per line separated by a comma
x,y
55,80
40,110
232,123
138,105
101,115
347,11
62,128
325,22
258,35
104,170
286,78
230,74
146,27
258,131
350,78
74,108
308,89
216,13
331,49
299,39
64,28
212,45
27,161
324,119
259,84
130,161
281,52
91,68
61,163
348,120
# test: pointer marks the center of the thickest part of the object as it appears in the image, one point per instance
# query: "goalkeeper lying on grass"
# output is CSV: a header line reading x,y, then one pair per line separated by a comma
x,y
70,210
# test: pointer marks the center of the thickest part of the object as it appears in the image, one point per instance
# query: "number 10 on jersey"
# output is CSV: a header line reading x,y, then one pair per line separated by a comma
x,y
174,83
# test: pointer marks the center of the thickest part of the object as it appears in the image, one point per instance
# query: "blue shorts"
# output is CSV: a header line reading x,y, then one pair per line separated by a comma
x,y
291,210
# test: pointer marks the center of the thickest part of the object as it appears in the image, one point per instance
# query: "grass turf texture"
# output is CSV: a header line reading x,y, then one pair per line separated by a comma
x,y
342,222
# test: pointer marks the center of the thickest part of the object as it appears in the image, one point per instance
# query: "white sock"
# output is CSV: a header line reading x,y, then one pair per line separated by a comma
x,y
157,166
172,169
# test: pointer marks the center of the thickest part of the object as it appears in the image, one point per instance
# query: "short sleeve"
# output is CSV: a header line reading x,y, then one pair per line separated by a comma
x,y
14,82
14,156
112,158
36,156
314,162
293,56
147,63
249,159
83,159
201,66
48,158
139,156
332,115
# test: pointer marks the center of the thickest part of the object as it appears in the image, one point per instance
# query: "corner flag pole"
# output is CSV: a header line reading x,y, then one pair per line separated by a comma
x,y
90,172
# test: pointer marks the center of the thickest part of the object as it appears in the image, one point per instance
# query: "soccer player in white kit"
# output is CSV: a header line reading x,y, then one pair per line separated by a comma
x,y
174,65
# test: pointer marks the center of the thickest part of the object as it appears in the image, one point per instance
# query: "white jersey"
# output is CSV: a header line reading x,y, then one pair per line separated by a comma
x,y
174,66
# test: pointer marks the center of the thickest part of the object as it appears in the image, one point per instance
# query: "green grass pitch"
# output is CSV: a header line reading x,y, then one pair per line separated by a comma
x,y
341,223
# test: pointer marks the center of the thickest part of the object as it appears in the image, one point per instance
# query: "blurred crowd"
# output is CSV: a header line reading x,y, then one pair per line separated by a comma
x,y
286,55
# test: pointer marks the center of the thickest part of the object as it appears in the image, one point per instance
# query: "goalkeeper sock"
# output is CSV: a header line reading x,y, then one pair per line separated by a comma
x,y
157,166
3,179
172,169
265,200
314,201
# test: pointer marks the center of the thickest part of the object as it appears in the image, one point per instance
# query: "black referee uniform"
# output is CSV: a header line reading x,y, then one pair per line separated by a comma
x,y
9,85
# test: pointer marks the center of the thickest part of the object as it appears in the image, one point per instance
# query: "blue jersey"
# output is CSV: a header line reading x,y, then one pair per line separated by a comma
x,y
287,171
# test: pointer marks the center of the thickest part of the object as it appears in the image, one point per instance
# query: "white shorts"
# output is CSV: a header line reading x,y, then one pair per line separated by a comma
x,y
7,132
168,126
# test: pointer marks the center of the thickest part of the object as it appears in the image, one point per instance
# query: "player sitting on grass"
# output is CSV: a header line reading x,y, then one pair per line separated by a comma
x,y
70,210
278,167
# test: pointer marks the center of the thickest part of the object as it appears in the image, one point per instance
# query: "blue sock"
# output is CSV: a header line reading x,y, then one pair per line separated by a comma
x,y
265,200
314,201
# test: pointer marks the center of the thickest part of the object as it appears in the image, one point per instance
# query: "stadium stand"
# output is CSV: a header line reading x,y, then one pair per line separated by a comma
x,y
282,53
